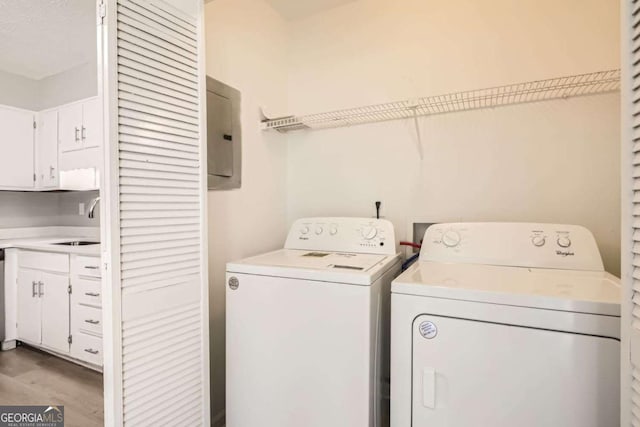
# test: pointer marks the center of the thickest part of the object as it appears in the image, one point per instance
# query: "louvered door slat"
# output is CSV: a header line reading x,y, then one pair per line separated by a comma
x,y
168,19
145,117
148,45
134,63
157,126
154,29
161,192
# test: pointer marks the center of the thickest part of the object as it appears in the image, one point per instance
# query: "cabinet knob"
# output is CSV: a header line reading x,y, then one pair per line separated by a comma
x,y
77,134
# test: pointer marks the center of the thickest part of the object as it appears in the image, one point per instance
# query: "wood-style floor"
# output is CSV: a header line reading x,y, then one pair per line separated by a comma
x,y
31,377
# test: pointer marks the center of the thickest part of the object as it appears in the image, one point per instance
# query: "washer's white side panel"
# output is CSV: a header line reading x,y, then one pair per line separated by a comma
x,y
405,308
469,373
298,353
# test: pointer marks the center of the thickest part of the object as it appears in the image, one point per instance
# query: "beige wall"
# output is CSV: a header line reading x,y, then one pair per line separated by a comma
x,y
556,161
245,41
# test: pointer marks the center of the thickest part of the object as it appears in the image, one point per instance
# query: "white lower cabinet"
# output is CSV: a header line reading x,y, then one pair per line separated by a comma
x,y
86,309
43,309
59,305
29,307
55,311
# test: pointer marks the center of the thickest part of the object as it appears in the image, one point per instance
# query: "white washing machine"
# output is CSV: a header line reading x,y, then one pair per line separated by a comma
x,y
307,327
503,325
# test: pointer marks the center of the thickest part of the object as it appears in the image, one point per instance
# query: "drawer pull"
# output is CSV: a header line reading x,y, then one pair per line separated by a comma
x,y
91,267
93,322
92,351
92,294
34,293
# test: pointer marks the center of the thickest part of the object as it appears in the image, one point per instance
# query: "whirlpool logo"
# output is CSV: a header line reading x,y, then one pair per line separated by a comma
x,y
565,253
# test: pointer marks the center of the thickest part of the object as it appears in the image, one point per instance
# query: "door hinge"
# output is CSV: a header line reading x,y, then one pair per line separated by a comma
x,y
69,339
34,124
34,177
69,289
102,11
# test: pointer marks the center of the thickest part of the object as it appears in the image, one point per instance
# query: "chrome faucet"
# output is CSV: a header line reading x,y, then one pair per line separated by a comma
x,y
92,208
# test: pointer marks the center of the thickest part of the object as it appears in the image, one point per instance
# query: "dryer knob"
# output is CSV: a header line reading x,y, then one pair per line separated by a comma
x,y
319,230
369,232
451,238
333,231
564,241
538,240
304,230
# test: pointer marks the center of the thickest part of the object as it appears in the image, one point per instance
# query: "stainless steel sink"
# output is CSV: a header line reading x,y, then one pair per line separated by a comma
x,y
77,243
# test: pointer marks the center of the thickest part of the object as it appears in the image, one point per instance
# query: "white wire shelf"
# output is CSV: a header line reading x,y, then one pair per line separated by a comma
x,y
519,93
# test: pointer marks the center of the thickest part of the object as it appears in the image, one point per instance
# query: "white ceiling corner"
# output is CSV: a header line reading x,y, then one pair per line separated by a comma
x,y
40,38
298,9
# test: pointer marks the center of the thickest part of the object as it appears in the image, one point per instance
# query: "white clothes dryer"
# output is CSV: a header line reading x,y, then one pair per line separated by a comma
x,y
503,325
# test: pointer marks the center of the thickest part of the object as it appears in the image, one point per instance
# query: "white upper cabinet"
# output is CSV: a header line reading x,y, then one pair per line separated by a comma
x,y
59,148
91,133
47,150
80,125
17,148
70,127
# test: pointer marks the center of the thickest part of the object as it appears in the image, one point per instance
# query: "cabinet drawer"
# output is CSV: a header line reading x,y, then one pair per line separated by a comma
x,y
87,292
44,261
85,266
87,347
87,319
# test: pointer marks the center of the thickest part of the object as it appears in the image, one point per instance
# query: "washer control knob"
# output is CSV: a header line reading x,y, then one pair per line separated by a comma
x,y
319,230
538,240
304,230
369,232
451,238
564,241
333,231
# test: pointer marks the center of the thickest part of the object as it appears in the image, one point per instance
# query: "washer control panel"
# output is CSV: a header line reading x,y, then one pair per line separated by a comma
x,y
341,234
534,245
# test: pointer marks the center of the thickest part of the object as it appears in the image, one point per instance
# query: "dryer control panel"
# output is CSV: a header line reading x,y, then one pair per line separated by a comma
x,y
341,234
535,245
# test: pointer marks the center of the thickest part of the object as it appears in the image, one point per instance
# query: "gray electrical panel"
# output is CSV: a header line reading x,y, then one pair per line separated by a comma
x,y
224,153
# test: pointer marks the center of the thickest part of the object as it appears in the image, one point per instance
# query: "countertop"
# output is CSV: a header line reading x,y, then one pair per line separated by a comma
x,y
46,244
43,239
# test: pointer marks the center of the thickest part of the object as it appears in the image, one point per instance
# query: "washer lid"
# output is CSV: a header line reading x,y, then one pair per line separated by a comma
x,y
341,267
552,289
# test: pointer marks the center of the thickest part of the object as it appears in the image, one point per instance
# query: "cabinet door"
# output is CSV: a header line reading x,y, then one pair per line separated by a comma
x,y
29,313
91,132
47,150
70,127
53,290
17,148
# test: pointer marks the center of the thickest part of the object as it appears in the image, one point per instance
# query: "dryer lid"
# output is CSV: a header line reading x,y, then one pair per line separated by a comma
x,y
566,290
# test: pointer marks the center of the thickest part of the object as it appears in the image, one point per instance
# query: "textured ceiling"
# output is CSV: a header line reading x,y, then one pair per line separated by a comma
x,y
40,38
297,9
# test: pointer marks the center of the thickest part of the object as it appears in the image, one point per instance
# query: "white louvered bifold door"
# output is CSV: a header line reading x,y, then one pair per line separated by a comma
x,y
630,94
157,206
